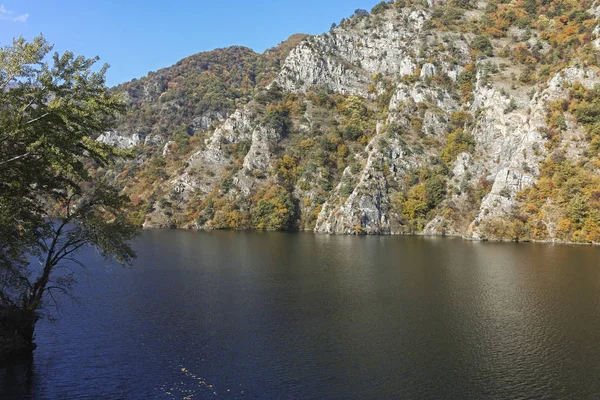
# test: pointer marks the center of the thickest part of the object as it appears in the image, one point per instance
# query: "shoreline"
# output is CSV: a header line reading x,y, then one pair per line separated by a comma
x,y
464,238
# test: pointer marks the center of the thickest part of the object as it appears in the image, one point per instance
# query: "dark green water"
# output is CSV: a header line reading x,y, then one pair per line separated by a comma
x,y
269,315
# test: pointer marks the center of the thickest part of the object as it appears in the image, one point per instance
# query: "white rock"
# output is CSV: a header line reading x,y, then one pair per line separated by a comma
x,y
114,138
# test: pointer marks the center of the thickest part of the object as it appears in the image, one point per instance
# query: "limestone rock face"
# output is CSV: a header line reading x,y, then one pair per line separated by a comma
x,y
154,140
205,167
508,151
396,57
205,122
345,60
511,146
367,209
115,138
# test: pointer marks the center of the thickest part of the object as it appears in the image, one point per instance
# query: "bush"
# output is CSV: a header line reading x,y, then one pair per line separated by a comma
x,y
352,132
512,106
575,192
379,8
182,137
435,188
467,4
278,120
468,75
415,207
273,209
483,44
458,142
273,94
447,15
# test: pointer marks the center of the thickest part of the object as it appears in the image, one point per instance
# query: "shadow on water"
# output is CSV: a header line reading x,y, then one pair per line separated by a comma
x,y
17,378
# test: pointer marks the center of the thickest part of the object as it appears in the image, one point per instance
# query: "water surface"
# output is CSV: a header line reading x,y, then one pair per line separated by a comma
x,y
274,315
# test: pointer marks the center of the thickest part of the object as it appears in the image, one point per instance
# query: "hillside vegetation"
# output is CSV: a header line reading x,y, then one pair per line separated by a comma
x,y
476,119
199,89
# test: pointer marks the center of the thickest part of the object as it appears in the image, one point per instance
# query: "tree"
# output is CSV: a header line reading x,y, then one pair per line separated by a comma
x,y
359,12
181,136
273,209
435,188
51,204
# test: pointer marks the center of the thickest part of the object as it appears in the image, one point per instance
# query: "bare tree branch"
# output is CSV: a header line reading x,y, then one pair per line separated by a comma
x,y
37,119
15,158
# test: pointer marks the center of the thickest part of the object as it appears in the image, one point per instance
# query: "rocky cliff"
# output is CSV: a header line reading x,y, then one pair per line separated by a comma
x,y
474,119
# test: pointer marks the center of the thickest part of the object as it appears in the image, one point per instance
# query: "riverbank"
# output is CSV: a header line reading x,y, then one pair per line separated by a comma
x,y
462,237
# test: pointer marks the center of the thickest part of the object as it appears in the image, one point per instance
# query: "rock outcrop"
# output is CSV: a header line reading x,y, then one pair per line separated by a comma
x,y
447,140
114,138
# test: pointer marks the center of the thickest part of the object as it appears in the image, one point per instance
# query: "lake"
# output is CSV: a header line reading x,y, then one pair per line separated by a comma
x,y
274,315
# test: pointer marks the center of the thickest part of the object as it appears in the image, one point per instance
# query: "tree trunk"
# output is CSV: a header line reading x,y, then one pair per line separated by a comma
x,y
16,332
17,324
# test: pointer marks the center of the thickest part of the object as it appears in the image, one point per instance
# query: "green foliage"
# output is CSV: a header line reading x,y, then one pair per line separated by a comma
x,y
575,192
483,44
203,84
323,132
242,148
273,209
182,137
209,84
360,13
467,76
380,8
585,106
565,25
512,106
447,16
415,207
458,142
400,4
435,188
277,119
50,204
287,170
273,94
352,132
427,190
466,4
566,193
531,6
358,119
156,168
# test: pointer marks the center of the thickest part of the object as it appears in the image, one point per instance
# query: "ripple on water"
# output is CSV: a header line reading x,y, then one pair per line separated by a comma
x,y
267,315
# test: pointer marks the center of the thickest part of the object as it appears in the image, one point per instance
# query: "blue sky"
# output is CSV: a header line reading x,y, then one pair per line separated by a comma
x,y
137,36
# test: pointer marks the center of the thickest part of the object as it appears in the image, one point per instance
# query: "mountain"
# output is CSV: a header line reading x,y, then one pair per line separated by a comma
x,y
196,92
467,118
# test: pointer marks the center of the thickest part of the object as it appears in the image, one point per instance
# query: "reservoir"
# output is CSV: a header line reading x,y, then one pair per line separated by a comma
x,y
252,315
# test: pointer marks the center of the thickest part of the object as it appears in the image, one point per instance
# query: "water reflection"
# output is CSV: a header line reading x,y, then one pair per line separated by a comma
x,y
18,378
266,315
